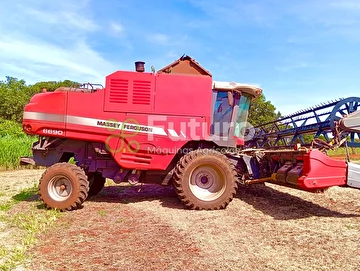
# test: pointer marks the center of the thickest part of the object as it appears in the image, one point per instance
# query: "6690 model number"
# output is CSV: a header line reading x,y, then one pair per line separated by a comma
x,y
52,132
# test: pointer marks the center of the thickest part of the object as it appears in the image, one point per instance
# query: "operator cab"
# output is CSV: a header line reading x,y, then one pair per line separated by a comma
x,y
231,103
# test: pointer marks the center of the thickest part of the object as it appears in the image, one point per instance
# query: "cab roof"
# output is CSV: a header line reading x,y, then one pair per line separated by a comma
x,y
237,87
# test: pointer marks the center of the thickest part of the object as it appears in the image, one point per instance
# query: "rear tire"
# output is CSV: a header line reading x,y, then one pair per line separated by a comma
x,y
63,186
205,180
96,183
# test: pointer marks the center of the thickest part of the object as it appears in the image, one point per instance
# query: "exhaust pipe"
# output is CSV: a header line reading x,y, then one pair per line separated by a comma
x,y
140,66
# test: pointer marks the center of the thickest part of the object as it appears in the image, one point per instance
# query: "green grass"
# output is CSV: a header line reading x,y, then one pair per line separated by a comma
x,y
12,148
6,206
27,224
102,212
24,195
342,151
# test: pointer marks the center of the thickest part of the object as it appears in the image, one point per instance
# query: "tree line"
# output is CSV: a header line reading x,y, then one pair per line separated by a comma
x,y
15,94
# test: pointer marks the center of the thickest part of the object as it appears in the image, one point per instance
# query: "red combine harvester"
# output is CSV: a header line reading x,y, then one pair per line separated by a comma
x,y
178,126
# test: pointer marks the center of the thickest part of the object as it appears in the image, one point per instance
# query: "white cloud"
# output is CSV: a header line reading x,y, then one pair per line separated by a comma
x,y
69,14
351,5
159,38
74,20
172,42
76,63
50,42
116,28
235,12
41,16
328,12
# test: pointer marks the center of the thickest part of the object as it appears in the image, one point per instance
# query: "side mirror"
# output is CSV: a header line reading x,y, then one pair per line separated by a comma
x,y
230,98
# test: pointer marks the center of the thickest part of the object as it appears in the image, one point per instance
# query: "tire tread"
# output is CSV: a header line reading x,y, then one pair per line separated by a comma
x,y
179,181
75,171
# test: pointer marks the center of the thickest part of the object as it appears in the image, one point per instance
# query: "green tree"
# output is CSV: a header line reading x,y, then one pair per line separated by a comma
x,y
262,111
53,85
14,94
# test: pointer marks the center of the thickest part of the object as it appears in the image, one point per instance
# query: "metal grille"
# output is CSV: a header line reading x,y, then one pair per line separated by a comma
x,y
141,92
119,91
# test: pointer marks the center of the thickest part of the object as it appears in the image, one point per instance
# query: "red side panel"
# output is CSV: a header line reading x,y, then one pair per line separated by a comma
x,y
144,118
156,149
239,141
45,114
183,95
321,171
129,92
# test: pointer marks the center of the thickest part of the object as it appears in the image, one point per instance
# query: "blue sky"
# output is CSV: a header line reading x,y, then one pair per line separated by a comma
x,y
301,52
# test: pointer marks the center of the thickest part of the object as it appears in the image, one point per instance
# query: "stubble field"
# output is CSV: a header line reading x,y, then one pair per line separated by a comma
x,y
146,228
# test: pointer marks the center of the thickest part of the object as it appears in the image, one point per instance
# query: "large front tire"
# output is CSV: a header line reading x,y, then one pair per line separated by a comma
x,y
63,186
205,180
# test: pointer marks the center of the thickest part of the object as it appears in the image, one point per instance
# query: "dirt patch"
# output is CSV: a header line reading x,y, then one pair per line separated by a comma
x,y
264,228
12,182
146,228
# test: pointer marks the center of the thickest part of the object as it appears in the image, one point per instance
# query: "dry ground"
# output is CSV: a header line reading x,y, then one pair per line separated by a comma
x,y
146,228
11,183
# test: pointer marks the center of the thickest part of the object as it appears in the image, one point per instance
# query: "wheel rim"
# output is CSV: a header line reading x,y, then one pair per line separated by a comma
x,y
207,182
59,188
